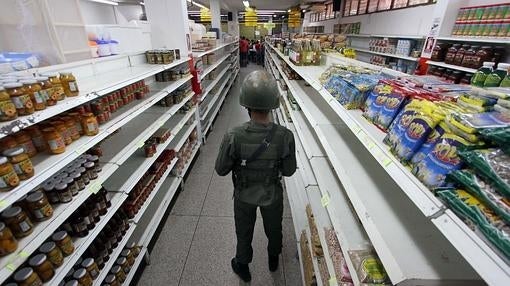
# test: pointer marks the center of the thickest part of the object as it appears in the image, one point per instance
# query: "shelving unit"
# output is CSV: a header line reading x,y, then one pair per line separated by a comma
x,y
212,67
203,53
476,40
387,54
454,67
388,201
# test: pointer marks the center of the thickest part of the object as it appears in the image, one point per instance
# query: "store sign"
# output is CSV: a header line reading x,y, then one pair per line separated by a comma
x,y
295,18
205,15
250,17
269,27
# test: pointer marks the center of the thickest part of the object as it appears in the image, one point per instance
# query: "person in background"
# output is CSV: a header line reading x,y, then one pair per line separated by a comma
x,y
243,50
259,50
253,52
258,152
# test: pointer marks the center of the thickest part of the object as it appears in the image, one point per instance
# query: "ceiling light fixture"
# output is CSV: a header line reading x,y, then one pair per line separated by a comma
x,y
304,10
288,11
105,2
197,4
142,3
246,4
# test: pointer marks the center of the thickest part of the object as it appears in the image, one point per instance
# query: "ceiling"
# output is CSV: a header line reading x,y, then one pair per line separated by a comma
x,y
237,5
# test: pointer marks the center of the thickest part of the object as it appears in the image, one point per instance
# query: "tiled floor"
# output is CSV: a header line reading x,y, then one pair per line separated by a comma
x,y
198,239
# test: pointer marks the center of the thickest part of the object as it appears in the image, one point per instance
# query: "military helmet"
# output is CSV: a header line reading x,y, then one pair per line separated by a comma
x,y
259,92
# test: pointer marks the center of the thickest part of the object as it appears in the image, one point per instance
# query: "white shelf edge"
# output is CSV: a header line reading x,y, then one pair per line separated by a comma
x,y
186,135
213,83
212,67
501,40
454,67
215,98
215,113
201,54
387,54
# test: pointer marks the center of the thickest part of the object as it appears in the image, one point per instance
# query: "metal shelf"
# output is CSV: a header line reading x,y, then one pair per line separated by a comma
x,y
454,67
215,98
223,95
212,67
417,37
201,54
135,266
213,83
407,58
476,40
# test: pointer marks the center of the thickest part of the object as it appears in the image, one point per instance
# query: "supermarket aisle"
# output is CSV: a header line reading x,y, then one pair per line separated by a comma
x,y
198,240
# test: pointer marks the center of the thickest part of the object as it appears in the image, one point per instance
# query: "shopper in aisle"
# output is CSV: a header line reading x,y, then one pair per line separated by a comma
x,y
258,153
243,51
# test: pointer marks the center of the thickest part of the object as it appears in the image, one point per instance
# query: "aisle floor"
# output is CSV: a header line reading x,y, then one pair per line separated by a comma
x,y
198,240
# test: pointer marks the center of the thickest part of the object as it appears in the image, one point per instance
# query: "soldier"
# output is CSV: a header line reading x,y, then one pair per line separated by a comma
x,y
258,153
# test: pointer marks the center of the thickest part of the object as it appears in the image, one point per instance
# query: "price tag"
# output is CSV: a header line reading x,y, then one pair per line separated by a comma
x,y
3,203
325,200
356,129
95,188
160,123
10,267
386,162
333,281
139,144
23,254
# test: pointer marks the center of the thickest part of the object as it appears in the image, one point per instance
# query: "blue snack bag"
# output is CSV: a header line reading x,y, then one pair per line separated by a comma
x,y
429,144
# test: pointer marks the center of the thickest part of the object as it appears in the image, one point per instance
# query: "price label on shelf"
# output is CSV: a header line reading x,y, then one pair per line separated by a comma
x,y
11,267
333,281
3,203
95,188
23,254
139,144
325,200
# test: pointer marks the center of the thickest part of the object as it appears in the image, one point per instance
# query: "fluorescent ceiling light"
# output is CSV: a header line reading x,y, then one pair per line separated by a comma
x,y
246,4
142,3
303,10
288,11
197,4
105,2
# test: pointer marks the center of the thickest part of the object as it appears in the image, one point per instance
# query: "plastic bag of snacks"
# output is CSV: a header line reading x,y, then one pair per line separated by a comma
x,y
368,267
472,183
341,270
498,136
429,144
443,159
492,164
351,89
400,123
469,208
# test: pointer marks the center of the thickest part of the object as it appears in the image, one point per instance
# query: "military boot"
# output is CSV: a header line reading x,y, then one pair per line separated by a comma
x,y
242,270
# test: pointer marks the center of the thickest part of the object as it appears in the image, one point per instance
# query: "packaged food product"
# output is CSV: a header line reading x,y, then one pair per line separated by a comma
x,y
335,252
39,207
469,208
33,88
53,253
20,162
42,266
90,265
401,122
494,79
20,98
83,277
481,74
27,277
443,159
429,144
8,177
7,107
61,128
498,136
54,140
8,244
368,267
69,84
491,164
17,221
25,141
89,124
58,89
37,138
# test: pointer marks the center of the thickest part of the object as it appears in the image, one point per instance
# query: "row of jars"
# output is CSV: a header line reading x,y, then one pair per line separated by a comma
x,y
37,206
172,74
185,153
467,55
141,191
451,76
123,265
42,265
162,56
160,136
177,96
24,95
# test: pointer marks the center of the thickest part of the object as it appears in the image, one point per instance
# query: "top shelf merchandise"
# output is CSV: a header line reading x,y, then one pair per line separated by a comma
x,y
488,21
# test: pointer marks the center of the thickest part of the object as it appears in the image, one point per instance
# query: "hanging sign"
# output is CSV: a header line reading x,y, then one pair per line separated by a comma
x,y
269,27
250,17
205,15
295,18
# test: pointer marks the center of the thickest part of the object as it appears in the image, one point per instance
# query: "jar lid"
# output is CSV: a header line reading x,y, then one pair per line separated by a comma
x,y
3,160
72,283
66,73
121,261
67,180
23,274
81,170
125,253
88,165
50,74
61,187
110,279
87,262
503,66
58,236
115,269
14,151
488,64
93,158
75,175
12,85
29,81
35,197
41,78
37,260
130,245
49,185
78,274
47,247
11,212
2,87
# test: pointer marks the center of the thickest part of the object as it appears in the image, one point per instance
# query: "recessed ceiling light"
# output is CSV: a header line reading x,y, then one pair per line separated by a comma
x,y
246,4
303,10
288,11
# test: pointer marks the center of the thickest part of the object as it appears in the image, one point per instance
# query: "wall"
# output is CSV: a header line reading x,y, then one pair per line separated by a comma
x,y
95,13
126,13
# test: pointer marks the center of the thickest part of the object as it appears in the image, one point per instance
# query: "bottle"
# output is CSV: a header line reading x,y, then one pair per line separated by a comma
x,y
481,74
506,80
495,78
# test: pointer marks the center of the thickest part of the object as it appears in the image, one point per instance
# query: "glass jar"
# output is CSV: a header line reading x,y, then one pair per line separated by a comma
x,y
33,88
71,185
95,159
470,56
100,204
83,174
37,138
8,244
20,162
50,191
94,212
134,248
485,54
450,55
72,282
64,242
54,140
454,77
46,90
8,177
128,254
80,226
17,221
58,88
7,107
111,280
54,254
71,127
103,192
7,142
119,273
39,207
91,170
61,128
123,263
24,140
89,124
90,265
77,121
69,83
86,213
27,277
42,266
78,179
20,98
459,56
64,194
83,277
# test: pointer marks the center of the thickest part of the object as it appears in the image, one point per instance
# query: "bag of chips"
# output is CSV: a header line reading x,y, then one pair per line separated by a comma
x,y
368,266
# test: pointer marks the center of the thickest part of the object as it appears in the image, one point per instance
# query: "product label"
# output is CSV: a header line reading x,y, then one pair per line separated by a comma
x,y
56,258
23,167
29,147
18,102
73,188
44,94
67,248
39,98
7,109
92,127
25,226
56,144
58,92
9,180
73,86
93,273
65,197
45,211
